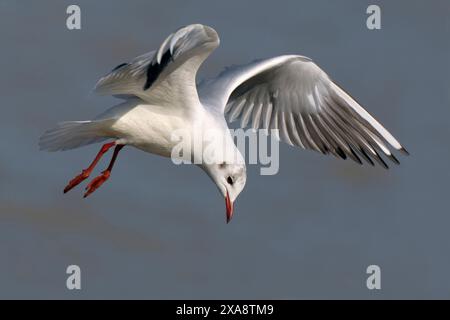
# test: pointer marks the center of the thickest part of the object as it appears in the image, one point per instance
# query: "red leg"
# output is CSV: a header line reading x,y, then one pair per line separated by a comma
x,y
98,181
86,172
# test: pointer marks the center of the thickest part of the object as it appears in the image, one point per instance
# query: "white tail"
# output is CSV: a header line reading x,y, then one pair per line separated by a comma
x,y
71,135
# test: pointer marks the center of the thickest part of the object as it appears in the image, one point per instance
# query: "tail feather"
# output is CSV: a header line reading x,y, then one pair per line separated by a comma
x,y
71,135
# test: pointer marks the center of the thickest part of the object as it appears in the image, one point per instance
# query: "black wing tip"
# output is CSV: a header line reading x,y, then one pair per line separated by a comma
x,y
155,69
357,160
341,153
366,156
119,66
404,151
380,160
393,159
146,85
355,156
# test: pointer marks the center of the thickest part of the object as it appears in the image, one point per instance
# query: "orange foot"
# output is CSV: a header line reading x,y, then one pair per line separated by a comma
x,y
77,180
97,182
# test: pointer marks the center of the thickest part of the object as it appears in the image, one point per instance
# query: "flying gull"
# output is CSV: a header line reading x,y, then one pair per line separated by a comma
x,y
288,94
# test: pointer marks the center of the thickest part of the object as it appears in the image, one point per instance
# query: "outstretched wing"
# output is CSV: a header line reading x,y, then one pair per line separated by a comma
x,y
166,74
292,94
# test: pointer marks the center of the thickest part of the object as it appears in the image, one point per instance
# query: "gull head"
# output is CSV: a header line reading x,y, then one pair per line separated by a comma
x,y
230,179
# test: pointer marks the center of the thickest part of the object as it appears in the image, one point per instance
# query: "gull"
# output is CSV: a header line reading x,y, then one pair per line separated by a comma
x,y
289,95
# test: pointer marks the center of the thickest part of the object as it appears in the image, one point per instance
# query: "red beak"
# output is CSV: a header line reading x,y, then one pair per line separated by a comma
x,y
229,206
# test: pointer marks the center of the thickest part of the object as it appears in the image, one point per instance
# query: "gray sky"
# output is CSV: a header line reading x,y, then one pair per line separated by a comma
x,y
157,230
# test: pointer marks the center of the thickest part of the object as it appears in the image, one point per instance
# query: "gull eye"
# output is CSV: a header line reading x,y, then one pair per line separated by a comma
x,y
230,181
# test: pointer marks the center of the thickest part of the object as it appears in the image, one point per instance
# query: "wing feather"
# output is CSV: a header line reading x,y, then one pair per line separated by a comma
x,y
292,95
166,74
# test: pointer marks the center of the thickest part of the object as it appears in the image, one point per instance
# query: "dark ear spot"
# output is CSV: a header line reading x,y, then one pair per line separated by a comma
x,y
230,180
222,165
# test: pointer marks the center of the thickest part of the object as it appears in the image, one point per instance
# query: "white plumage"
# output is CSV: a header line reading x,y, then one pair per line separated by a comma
x,y
289,93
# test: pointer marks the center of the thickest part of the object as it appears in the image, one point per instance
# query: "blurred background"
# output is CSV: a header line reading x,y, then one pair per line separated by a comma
x,y
157,230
